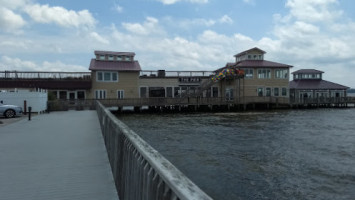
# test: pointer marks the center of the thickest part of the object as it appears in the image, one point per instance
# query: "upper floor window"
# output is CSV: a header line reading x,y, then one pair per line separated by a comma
x,y
107,76
249,73
119,57
264,73
281,73
127,58
110,57
102,57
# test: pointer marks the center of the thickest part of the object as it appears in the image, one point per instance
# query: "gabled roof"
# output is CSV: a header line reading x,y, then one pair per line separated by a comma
x,y
114,66
312,84
307,71
114,53
261,64
252,49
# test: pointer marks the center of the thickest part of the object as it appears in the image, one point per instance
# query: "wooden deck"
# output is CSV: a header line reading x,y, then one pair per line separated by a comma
x,y
60,155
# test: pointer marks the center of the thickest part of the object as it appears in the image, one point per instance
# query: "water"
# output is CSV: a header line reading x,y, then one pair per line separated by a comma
x,y
293,154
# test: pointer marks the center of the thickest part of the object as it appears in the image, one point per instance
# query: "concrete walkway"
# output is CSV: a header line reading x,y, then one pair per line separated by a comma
x,y
60,155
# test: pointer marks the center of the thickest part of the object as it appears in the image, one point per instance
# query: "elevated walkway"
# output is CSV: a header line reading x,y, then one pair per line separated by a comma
x,y
60,155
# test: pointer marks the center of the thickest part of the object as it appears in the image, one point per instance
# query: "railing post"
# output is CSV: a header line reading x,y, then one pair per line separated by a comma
x,y
29,113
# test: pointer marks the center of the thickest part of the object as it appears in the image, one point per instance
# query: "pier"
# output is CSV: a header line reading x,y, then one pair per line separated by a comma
x,y
85,155
60,155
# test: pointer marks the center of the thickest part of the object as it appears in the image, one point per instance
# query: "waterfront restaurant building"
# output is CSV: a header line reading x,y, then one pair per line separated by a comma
x,y
114,75
263,81
308,86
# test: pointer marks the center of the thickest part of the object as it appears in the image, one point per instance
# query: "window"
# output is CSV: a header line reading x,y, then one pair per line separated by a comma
x,y
169,92
102,57
100,94
249,73
214,91
268,92
281,73
276,92
143,92
120,94
284,91
264,73
81,94
119,57
176,91
110,57
107,76
260,92
156,92
127,58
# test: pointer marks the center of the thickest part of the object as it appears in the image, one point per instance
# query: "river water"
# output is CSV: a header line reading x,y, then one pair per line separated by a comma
x,y
288,154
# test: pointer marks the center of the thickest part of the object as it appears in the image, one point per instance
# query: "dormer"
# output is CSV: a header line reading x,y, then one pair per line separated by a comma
x,y
251,54
114,56
303,74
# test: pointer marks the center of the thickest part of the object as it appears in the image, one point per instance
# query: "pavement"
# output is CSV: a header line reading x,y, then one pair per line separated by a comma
x,y
60,155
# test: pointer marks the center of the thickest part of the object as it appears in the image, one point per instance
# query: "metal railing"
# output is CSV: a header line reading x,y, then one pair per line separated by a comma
x,y
44,75
157,73
141,172
323,100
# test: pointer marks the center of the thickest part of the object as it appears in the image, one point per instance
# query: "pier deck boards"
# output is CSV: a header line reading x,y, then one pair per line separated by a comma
x,y
60,155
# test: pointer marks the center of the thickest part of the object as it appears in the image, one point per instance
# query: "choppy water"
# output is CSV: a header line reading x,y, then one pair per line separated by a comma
x,y
294,154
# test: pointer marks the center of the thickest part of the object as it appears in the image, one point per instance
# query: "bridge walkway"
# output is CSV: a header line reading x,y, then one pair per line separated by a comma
x,y
60,155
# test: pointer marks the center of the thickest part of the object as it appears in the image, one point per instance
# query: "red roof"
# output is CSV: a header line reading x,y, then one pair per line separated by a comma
x,y
261,64
114,65
312,84
252,49
114,53
307,71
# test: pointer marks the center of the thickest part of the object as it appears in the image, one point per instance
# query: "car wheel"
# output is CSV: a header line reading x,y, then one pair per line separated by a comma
x,y
10,113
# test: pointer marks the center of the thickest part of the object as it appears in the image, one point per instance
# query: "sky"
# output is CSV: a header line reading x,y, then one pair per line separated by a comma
x,y
191,35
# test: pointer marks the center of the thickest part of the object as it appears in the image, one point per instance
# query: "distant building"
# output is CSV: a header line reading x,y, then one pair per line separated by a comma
x,y
114,75
308,85
263,80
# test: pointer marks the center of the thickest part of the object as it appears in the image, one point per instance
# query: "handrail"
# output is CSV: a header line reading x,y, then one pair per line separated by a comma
x,y
141,172
44,75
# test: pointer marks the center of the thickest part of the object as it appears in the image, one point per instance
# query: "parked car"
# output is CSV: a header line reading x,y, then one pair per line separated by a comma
x,y
9,111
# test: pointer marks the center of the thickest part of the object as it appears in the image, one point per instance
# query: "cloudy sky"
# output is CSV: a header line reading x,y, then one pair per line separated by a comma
x,y
61,35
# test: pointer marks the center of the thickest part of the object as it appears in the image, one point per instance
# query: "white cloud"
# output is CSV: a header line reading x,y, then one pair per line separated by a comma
x,y
252,2
9,21
169,2
99,38
313,10
9,63
60,16
13,4
119,8
226,20
150,26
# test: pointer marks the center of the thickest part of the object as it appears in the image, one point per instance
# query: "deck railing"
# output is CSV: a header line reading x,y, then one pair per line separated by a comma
x,y
323,100
44,75
57,105
140,172
163,73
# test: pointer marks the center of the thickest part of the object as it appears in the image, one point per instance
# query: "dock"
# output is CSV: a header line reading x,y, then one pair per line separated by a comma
x,y
60,155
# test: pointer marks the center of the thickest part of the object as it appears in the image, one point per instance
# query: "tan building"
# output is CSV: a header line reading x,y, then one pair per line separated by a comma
x,y
114,75
261,78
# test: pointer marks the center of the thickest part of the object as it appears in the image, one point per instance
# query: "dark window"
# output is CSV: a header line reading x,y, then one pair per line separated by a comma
x,y
169,92
276,92
81,95
156,92
176,91
62,95
215,92
143,91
